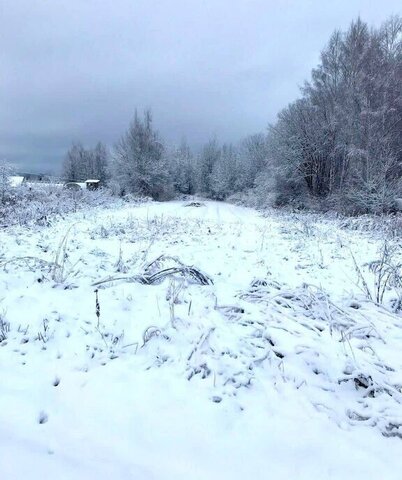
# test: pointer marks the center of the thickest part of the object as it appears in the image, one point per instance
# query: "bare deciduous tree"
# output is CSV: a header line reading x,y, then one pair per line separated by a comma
x,y
140,164
342,138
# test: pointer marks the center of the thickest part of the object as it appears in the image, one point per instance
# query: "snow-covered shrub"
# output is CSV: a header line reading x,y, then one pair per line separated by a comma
x,y
264,192
38,204
387,226
366,197
381,279
249,198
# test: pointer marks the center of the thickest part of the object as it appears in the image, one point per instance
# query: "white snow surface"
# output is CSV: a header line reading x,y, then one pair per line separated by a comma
x,y
279,369
16,181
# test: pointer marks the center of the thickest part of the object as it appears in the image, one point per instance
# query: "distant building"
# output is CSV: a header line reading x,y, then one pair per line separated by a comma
x,y
92,184
36,177
34,180
16,180
74,185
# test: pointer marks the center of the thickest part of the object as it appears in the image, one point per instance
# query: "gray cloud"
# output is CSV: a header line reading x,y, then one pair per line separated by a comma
x,y
77,69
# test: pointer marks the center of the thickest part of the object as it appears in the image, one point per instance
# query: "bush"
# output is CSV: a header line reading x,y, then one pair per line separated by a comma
x,y
38,204
367,198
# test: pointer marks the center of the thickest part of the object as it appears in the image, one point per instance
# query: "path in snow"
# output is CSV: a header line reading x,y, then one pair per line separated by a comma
x,y
239,379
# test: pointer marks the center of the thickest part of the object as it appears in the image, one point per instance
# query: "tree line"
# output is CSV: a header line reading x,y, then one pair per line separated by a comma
x,y
141,164
341,141
337,146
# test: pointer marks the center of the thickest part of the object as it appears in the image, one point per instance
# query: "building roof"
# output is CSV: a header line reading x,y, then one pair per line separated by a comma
x,y
16,180
92,181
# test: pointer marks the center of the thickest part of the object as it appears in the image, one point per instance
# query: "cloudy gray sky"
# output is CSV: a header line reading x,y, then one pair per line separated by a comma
x,y
77,69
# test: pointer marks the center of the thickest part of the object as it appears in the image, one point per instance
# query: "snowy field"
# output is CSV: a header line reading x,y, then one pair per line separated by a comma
x,y
265,359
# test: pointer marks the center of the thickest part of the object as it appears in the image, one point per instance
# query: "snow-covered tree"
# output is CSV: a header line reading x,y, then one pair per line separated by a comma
x,y
99,163
252,160
75,164
81,163
209,156
225,173
6,172
342,138
140,165
183,169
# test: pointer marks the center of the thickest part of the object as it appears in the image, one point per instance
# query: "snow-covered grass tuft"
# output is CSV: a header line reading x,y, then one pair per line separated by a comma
x,y
4,328
381,279
344,345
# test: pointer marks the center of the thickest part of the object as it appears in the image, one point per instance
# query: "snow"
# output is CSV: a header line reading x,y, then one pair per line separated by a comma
x,y
15,181
279,369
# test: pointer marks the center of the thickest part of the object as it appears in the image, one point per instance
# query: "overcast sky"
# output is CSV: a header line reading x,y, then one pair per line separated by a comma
x,y
77,69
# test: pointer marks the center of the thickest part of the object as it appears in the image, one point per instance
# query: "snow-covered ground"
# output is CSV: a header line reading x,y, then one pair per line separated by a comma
x,y
278,367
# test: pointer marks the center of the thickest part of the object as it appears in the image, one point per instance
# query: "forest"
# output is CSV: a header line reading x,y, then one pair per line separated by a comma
x,y
337,147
